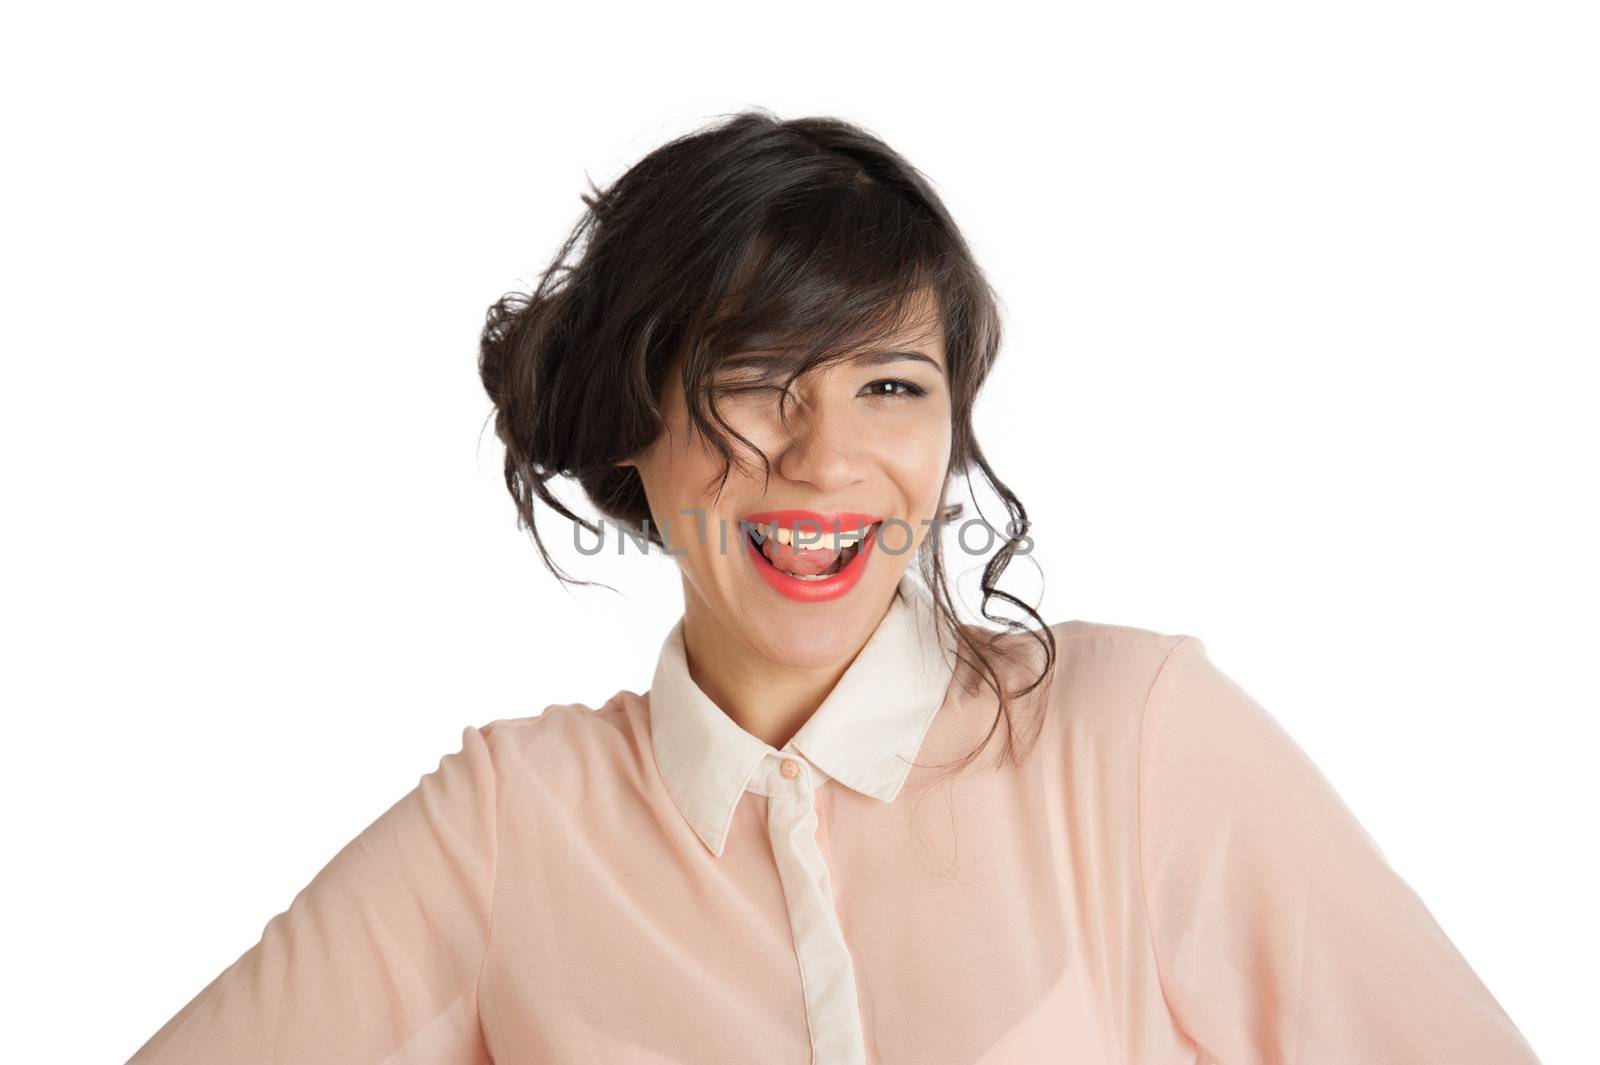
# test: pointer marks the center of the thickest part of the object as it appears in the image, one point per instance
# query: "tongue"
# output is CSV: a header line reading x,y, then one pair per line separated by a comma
x,y
806,561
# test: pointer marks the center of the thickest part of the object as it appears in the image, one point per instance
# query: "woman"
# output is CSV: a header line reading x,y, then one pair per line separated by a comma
x,y
764,361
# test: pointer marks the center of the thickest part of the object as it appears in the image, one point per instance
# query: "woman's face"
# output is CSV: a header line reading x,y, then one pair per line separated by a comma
x,y
865,442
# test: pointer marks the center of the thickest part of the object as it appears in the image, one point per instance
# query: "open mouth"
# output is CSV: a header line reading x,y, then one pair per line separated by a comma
x,y
808,554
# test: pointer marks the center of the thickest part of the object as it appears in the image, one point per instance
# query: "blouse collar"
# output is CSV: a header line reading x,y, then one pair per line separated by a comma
x,y
864,735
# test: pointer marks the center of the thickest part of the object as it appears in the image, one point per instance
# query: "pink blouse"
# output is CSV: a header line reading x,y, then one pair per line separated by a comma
x,y
1168,879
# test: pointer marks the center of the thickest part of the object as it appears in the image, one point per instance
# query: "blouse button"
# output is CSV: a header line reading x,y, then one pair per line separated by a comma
x,y
790,768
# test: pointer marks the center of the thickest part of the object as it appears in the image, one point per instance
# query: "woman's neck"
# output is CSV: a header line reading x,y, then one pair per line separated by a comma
x,y
771,700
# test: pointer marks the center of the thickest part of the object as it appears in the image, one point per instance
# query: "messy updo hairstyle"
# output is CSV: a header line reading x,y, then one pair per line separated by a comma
x,y
807,238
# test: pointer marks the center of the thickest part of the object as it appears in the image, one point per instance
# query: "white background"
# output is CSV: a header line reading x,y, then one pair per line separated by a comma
x,y
1300,303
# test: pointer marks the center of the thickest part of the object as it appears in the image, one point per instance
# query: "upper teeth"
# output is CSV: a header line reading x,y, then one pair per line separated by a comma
x,y
810,539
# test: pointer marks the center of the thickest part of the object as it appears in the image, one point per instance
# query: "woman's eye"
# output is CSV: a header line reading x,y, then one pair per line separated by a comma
x,y
890,388
743,388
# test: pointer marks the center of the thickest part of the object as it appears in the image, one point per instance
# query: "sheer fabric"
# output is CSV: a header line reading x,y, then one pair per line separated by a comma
x,y
1168,879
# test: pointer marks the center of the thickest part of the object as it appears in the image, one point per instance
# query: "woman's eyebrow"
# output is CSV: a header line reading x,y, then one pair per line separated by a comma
x,y
762,360
878,358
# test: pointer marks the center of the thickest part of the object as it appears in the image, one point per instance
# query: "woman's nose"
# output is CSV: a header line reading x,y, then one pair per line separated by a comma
x,y
821,447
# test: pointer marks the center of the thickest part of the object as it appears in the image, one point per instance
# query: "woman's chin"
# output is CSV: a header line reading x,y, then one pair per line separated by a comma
x,y
807,635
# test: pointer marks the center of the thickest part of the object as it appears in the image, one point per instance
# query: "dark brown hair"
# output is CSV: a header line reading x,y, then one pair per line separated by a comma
x,y
807,237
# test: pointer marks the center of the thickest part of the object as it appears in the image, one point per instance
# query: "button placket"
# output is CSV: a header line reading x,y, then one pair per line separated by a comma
x,y
827,971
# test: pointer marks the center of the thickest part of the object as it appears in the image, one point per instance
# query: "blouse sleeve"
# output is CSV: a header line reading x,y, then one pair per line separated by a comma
x,y
377,958
1281,932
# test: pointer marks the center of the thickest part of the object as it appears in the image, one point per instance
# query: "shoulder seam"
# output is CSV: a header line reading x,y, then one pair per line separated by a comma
x,y
1138,818
494,878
